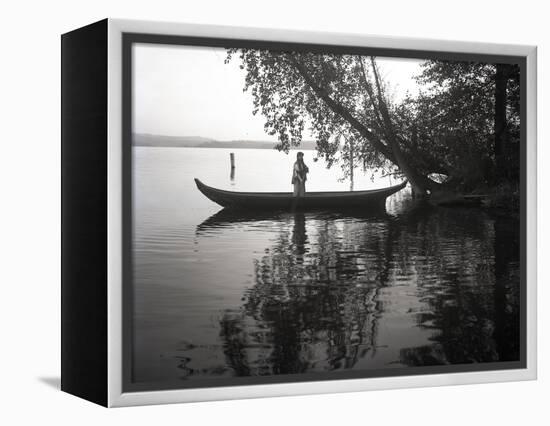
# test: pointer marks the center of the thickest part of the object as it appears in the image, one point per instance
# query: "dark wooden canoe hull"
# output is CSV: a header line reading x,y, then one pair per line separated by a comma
x,y
311,201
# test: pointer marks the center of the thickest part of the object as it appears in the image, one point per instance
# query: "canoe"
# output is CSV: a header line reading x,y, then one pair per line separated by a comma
x,y
311,201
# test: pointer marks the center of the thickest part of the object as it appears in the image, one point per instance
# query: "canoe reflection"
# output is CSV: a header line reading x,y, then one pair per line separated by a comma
x,y
229,217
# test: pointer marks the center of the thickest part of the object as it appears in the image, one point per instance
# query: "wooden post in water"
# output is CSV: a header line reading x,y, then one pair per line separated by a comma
x,y
232,160
351,163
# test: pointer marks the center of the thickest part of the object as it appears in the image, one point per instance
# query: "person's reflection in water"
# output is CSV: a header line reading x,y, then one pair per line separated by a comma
x,y
299,236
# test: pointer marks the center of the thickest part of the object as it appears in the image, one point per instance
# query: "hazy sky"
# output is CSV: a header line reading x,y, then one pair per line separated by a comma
x,y
189,91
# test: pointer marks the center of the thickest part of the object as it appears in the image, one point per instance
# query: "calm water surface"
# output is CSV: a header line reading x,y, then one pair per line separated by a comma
x,y
220,295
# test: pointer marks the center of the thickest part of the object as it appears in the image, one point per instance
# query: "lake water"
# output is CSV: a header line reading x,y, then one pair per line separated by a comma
x,y
220,295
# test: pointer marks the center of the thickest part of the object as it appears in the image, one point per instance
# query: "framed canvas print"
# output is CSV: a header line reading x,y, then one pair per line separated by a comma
x,y
251,212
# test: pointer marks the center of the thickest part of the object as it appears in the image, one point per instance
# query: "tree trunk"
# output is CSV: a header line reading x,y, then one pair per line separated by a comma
x,y
501,128
420,184
351,165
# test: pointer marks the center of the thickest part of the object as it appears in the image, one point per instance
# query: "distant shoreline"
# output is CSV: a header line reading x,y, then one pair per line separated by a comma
x,y
161,141
294,148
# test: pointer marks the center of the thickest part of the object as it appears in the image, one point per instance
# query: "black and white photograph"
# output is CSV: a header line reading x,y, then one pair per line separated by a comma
x,y
296,212
314,213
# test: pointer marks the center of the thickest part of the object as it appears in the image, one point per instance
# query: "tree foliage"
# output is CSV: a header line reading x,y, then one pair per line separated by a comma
x,y
289,103
456,115
342,100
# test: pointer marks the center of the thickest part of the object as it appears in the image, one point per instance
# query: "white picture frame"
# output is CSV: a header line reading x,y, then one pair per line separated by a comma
x,y
116,396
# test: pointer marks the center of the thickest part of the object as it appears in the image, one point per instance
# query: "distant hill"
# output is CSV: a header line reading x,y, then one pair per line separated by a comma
x,y
143,139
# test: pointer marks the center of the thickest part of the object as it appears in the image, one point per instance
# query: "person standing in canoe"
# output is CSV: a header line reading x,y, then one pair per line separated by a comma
x,y
299,175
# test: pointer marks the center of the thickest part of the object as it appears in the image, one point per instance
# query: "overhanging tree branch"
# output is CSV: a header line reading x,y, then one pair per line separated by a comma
x,y
340,109
370,93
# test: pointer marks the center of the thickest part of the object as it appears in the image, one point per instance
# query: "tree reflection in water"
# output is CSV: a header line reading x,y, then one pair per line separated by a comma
x,y
470,285
315,303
